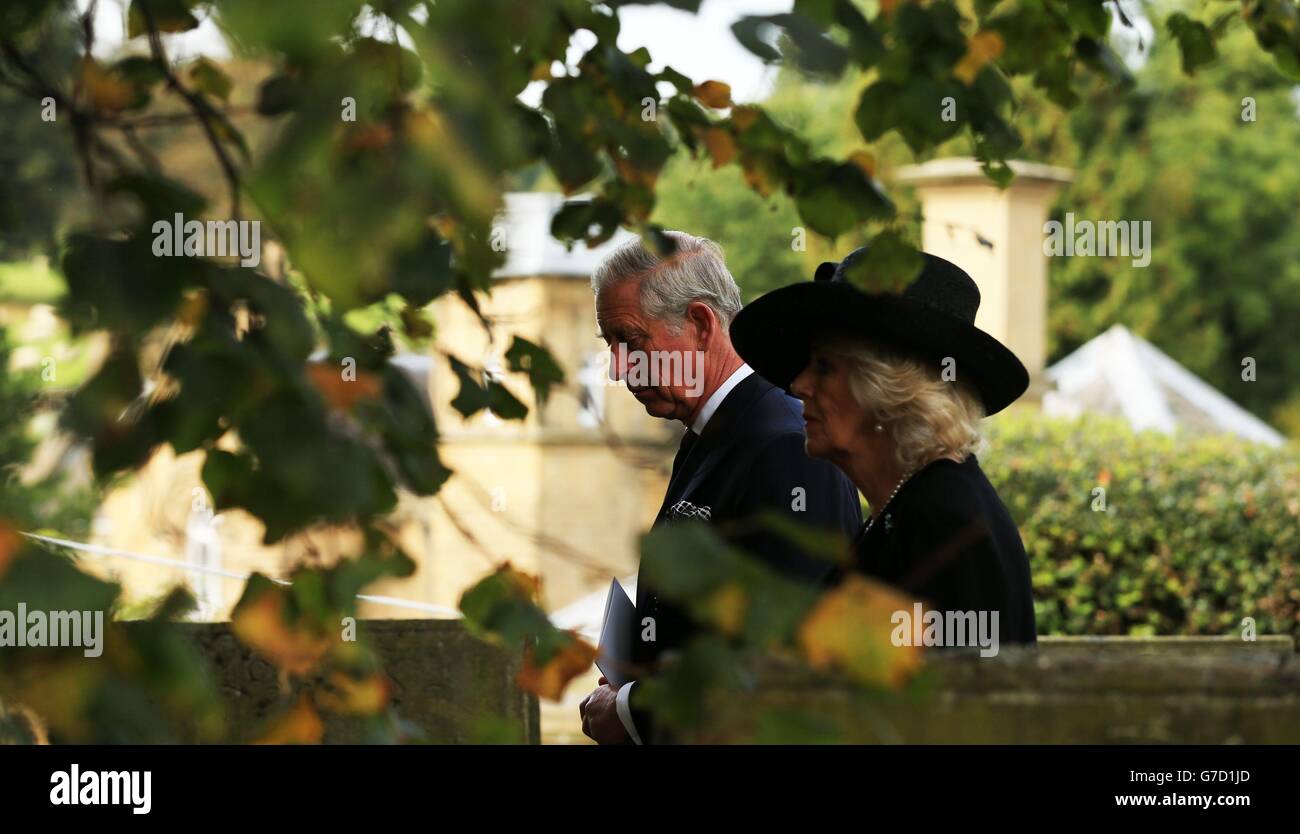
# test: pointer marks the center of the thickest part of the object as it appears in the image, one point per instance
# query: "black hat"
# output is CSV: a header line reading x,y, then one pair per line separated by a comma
x,y
933,318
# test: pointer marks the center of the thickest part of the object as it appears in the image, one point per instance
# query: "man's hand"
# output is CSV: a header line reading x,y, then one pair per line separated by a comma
x,y
600,721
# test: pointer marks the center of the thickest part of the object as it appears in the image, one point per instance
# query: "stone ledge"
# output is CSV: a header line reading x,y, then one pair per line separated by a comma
x,y
1279,643
1034,697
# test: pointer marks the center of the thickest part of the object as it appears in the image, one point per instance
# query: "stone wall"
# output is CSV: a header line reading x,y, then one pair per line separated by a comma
x,y
456,689
1071,691
449,685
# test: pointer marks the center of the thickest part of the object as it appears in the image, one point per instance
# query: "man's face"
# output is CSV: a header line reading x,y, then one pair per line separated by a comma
x,y
619,316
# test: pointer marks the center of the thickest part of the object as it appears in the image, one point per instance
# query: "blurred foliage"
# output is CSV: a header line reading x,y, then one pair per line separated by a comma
x,y
52,500
148,686
391,131
744,612
38,169
1196,534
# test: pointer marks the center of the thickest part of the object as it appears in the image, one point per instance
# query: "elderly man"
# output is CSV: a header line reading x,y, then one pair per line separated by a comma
x,y
743,449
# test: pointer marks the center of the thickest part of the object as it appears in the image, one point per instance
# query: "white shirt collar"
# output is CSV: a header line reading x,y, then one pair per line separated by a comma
x,y
712,403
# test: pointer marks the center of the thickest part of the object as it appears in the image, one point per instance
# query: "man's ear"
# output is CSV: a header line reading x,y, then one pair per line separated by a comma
x,y
704,319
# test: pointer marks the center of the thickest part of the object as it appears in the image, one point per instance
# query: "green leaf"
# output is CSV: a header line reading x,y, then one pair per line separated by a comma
x,y
889,264
1088,17
1195,42
593,221
686,560
748,30
502,605
139,71
279,94
209,78
45,581
422,272
536,361
1101,57
105,409
475,396
833,198
811,49
167,16
405,422
683,84
876,109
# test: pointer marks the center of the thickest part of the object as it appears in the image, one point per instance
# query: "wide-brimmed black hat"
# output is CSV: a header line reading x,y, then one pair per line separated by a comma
x,y
933,318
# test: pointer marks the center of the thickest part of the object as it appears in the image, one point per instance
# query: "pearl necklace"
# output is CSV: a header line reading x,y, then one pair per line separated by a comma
x,y
871,521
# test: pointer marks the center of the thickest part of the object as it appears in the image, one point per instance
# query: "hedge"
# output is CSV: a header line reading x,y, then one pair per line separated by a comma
x,y
1197,533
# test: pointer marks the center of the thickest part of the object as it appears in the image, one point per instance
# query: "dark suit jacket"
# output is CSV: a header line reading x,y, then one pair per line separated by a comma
x,y
749,458
947,539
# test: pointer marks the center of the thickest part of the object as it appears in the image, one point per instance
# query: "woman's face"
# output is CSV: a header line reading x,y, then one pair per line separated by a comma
x,y
834,422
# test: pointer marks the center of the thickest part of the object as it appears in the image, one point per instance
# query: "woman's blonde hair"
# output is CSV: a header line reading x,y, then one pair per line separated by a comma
x,y
925,415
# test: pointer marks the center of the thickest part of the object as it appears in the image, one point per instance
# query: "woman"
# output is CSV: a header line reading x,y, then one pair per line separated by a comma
x,y
894,386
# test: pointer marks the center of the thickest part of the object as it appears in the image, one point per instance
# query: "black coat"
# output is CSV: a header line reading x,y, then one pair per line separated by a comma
x,y
749,458
947,539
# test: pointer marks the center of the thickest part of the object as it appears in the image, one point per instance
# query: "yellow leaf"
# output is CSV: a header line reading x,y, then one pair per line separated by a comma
x,y
646,177
194,306
849,629
726,608
715,94
757,176
865,161
357,697
548,681
525,584
980,49
722,147
300,725
261,625
445,225
107,92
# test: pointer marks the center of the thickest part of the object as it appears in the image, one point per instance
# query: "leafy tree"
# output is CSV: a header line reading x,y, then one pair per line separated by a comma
x,y
1223,282
38,176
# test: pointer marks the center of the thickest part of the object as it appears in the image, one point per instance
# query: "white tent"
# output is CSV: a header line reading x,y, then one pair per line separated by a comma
x,y
1122,375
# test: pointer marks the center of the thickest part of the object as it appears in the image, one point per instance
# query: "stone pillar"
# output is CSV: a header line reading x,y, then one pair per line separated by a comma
x,y
996,235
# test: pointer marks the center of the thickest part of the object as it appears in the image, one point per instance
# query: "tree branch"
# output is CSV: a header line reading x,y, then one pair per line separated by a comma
x,y
198,106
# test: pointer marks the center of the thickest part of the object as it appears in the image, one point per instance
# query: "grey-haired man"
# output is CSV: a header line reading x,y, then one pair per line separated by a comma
x,y
742,452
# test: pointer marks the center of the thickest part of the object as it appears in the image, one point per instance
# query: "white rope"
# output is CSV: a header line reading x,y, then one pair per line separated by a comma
x,y
97,550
